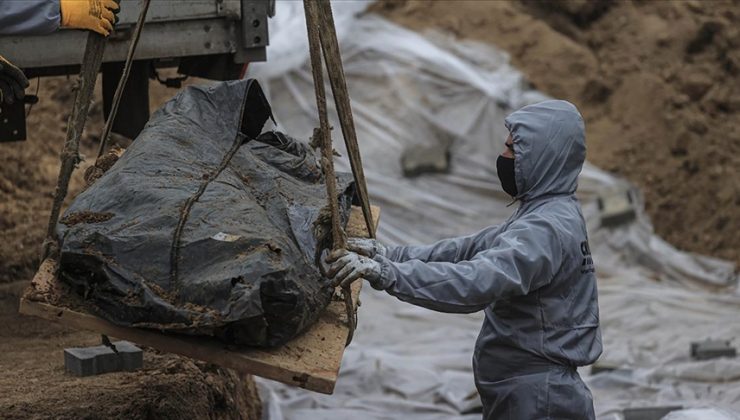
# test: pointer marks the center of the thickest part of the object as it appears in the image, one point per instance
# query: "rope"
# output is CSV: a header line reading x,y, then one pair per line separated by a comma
x,y
335,70
339,240
124,79
70,157
189,203
70,153
322,36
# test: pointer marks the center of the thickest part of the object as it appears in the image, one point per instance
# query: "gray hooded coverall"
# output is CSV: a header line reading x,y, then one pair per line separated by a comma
x,y
532,275
29,17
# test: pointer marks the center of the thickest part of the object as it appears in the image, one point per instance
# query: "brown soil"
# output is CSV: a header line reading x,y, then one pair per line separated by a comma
x,y
657,82
85,217
34,384
101,166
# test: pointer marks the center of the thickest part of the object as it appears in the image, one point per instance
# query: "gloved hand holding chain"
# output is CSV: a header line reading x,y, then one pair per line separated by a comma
x,y
346,267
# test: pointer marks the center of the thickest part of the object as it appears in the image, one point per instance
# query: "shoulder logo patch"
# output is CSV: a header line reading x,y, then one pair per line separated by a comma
x,y
587,265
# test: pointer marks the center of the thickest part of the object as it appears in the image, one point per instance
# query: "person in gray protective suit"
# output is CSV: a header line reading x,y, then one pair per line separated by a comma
x,y
532,275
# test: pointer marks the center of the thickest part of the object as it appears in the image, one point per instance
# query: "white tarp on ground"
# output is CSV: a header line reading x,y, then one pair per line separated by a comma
x,y
406,362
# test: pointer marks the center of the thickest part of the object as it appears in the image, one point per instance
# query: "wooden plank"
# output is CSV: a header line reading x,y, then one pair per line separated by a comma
x,y
310,361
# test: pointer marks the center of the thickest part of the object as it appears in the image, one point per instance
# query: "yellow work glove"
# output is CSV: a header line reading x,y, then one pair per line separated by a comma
x,y
13,82
93,15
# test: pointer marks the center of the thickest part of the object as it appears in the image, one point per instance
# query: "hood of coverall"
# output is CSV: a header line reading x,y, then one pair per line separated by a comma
x,y
549,148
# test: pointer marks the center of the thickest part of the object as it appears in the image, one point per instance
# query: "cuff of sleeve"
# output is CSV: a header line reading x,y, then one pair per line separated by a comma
x,y
64,15
386,279
55,16
392,252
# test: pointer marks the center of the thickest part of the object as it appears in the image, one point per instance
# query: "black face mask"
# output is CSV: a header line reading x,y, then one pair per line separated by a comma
x,y
505,169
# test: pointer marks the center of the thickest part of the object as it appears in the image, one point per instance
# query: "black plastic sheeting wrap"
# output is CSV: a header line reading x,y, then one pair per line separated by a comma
x,y
252,216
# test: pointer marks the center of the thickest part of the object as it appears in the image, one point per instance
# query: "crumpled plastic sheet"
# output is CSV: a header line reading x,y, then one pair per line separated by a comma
x,y
254,230
411,89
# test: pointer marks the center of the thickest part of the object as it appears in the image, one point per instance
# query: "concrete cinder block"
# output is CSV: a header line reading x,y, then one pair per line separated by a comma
x,y
649,413
419,160
712,349
617,207
600,367
88,361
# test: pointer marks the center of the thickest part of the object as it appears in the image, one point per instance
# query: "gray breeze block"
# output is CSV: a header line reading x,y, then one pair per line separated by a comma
x,y
712,349
649,413
88,361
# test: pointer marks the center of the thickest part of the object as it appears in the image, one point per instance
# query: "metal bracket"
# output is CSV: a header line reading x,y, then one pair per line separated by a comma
x,y
12,122
254,23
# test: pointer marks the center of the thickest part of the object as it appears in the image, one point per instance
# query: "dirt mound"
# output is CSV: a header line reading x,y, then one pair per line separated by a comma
x,y
169,387
34,384
657,83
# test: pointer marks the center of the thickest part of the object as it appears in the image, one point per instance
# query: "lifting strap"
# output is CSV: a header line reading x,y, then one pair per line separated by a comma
x,y
70,152
124,79
335,70
322,36
70,156
323,135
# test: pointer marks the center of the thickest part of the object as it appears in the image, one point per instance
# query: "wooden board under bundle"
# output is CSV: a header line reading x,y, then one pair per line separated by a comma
x,y
310,361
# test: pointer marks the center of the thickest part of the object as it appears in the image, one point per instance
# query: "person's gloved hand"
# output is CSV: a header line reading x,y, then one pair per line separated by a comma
x,y
346,267
93,15
366,246
13,82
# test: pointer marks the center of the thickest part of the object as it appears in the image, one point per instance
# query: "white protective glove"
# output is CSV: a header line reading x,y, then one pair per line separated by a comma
x,y
367,247
346,267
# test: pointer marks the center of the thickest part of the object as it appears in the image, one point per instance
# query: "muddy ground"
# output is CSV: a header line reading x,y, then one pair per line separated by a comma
x,y
33,383
658,83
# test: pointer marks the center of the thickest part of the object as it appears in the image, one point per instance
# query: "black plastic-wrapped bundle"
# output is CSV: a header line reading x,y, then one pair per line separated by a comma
x,y
204,226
